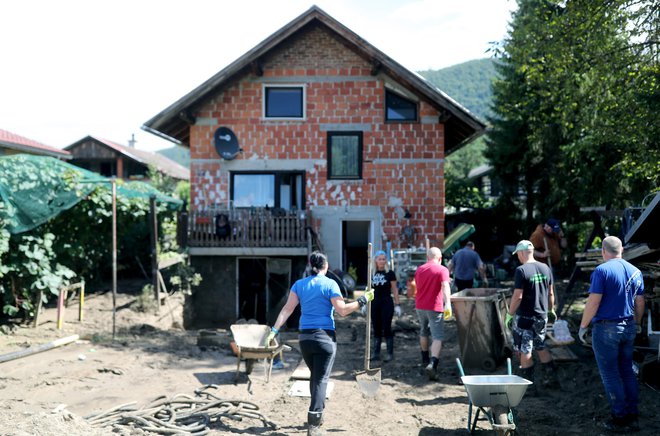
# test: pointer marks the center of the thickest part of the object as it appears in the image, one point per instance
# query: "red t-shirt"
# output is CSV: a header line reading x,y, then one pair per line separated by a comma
x,y
429,278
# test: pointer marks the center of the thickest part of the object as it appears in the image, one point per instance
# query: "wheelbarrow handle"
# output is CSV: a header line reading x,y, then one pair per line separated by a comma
x,y
460,367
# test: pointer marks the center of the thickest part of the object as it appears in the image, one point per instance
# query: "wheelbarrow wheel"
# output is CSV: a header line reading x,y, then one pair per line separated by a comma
x,y
249,364
501,422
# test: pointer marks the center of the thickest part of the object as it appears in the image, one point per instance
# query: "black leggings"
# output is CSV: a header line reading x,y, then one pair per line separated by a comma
x,y
318,348
382,311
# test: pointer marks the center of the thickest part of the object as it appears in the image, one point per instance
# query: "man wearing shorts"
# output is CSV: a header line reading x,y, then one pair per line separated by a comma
x,y
431,300
532,298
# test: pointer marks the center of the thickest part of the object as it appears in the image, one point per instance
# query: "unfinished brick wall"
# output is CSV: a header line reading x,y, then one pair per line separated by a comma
x,y
402,162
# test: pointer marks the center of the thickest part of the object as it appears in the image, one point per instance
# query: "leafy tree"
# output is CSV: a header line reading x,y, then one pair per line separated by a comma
x,y
576,107
460,191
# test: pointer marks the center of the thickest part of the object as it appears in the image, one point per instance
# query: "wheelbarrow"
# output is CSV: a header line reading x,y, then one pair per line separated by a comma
x,y
495,396
251,344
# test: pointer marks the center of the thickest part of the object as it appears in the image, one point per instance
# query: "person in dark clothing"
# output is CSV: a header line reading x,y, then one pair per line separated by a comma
x,y
463,265
319,298
532,299
383,307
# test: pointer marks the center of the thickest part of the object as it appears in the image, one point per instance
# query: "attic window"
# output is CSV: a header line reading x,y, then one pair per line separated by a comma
x,y
284,101
398,108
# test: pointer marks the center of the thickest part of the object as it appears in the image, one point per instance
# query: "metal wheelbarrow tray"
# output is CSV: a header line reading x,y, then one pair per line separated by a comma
x,y
494,396
250,341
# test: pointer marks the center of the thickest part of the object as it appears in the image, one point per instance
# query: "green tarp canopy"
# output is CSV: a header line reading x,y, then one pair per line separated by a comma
x,y
34,189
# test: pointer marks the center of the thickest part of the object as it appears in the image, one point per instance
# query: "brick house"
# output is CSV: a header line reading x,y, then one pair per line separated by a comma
x,y
312,138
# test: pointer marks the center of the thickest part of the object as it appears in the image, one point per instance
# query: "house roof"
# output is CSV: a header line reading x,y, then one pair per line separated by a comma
x,y
163,164
174,122
26,145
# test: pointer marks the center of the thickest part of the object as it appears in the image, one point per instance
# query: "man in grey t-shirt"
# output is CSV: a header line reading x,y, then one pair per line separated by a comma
x,y
463,264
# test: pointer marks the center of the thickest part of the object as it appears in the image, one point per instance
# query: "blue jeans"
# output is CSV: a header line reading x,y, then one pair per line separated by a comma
x,y
613,347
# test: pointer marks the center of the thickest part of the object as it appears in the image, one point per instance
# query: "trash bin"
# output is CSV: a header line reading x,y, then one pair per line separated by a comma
x,y
482,338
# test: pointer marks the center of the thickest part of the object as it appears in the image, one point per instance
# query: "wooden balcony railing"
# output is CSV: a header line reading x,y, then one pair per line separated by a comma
x,y
247,228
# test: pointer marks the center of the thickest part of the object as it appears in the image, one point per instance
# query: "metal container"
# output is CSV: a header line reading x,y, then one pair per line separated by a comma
x,y
481,337
495,390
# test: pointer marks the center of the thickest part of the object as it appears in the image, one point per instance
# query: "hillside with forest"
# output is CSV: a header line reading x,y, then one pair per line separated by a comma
x,y
178,154
467,83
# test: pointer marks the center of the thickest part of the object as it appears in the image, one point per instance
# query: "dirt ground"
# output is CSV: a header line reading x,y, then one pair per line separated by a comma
x,y
49,393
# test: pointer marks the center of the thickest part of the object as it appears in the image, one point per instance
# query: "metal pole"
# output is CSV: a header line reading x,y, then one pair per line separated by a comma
x,y
154,249
114,256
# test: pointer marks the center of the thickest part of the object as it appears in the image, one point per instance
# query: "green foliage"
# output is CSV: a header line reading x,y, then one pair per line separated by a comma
x,y
146,301
184,278
468,83
462,192
576,106
30,269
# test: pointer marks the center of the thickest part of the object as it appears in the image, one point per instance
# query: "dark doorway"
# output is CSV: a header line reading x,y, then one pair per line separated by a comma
x,y
355,241
252,295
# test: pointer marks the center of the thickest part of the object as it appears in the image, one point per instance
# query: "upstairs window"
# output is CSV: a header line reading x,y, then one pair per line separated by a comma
x,y
284,101
279,189
344,155
399,108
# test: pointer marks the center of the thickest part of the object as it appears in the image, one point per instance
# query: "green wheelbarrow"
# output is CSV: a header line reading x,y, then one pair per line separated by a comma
x,y
494,396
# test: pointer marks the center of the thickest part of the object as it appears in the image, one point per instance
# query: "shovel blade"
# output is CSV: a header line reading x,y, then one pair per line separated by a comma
x,y
368,381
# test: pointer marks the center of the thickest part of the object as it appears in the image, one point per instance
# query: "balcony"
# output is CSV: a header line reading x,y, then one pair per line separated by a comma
x,y
251,231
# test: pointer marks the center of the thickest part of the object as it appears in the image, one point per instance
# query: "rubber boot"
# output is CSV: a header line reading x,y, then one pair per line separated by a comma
x,y
314,421
375,355
528,373
390,349
549,371
426,359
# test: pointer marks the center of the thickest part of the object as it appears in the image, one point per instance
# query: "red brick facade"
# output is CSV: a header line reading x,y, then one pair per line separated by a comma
x,y
402,162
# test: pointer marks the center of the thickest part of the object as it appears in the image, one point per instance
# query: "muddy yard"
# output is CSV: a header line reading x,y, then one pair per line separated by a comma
x,y
50,393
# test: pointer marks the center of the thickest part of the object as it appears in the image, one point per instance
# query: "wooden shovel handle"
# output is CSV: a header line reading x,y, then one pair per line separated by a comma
x,y
367,354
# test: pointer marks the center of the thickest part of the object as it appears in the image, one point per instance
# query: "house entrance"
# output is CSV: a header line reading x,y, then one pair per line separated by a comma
x,y
262,287
355,241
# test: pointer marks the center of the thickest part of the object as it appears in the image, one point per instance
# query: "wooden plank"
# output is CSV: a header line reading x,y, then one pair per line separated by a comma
x,y
563,354
301,372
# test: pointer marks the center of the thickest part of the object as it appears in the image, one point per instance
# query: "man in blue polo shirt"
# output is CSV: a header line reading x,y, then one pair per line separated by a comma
x,y
614,308
463,264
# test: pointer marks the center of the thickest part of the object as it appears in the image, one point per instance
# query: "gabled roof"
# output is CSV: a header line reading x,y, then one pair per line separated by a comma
x,y
26,145
174,122
163,164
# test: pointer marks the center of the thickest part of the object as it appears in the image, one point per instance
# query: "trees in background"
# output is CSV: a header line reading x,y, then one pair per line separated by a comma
x,y
576,106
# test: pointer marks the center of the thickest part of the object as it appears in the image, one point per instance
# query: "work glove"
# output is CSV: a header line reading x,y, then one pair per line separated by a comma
x,y
367,297
271,336
447,313
397,310
582,334
508,321
552,316
363,310
638,328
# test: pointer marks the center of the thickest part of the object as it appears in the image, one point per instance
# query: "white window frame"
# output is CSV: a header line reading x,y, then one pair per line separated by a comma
x,y
303,86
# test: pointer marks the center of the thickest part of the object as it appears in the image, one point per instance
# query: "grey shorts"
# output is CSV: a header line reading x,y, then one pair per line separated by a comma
x,y
431,323
528,334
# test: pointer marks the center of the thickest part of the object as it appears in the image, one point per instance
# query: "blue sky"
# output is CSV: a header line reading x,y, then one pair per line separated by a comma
x,y
73,68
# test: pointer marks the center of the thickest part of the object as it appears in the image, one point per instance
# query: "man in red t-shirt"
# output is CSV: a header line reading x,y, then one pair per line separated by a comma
x,y
432,299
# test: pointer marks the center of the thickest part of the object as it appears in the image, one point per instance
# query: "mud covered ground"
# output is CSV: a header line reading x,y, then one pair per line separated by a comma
x,y
49,393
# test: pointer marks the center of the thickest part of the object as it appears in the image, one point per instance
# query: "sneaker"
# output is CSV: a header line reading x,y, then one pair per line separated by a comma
x,y
430,372
278,365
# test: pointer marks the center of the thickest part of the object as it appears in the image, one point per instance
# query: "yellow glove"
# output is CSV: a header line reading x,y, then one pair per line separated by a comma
x,y
508,321
271,336
447,313
367,297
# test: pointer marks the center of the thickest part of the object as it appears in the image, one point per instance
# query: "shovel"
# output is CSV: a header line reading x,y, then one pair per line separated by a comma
x,y
368,380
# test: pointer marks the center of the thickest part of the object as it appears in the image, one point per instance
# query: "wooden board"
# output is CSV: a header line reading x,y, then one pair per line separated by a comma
x,y
300,388
553,342
302,372
563,354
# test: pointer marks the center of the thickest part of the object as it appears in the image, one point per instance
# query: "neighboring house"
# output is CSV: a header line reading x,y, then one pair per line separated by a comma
x,y
11,143
125,162
313,131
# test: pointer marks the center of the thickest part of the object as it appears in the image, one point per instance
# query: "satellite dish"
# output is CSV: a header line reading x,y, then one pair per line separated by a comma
x,y
226,143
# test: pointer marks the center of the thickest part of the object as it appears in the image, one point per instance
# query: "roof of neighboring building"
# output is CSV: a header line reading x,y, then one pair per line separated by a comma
x,y
479,171
23,144
163,164
174,122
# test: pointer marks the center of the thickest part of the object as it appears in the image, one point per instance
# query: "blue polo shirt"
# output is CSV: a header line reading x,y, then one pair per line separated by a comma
x,y
315,293
466,261
619,282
